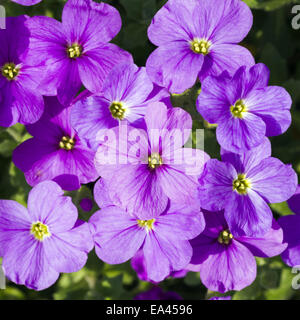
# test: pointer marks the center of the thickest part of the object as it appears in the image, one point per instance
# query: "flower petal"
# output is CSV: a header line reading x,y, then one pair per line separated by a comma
x,y
96,64
248,214
272,104
47,204
174,66
67,251
269,245
117,235
228,268
273,180
239,135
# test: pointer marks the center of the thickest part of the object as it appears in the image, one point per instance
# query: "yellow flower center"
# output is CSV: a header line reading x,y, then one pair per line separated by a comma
x,y
74,51
238,109
241,184
154,161
225,237
40,231
200,46
117,110
147,224
67,143
10,71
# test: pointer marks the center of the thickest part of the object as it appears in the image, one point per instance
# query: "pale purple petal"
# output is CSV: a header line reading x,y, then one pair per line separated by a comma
x,y
91,23
117,235
216,185
269,245
95,66
228,268
273,180
47,204
174,66
67,251
239,135
272,105
248,214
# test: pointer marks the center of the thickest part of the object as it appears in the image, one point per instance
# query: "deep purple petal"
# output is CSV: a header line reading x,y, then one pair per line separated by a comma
x,y
291,225
294,201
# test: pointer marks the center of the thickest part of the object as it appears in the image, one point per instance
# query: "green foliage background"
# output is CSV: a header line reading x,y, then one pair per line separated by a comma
x,y
272,41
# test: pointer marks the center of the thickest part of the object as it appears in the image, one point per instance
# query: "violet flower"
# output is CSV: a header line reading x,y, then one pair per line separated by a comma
x,y
197,39
55,152
245,108
225,261
76,51
243,185
162,239
20,101
43,240
144,169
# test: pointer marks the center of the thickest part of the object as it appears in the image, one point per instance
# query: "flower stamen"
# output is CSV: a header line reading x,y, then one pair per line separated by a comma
x,y
154,161
67,143
200,46
117,110
241,184
147,224
225,237
10,71
74,51
238,109
40,231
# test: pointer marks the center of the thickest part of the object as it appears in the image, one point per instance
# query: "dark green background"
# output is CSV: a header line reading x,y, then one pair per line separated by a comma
x,y
272,41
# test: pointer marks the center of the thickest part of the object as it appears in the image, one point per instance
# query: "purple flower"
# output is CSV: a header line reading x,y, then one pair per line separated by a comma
x,y
55,152
291,226
163,239
125,95
27,2
294,201
19,99
226,261
76,51
143,169
245,108
156,293
43,240
197,39
138,263
243,185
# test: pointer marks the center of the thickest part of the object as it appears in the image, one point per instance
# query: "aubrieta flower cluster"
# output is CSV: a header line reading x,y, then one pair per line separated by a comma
x,y
167,208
